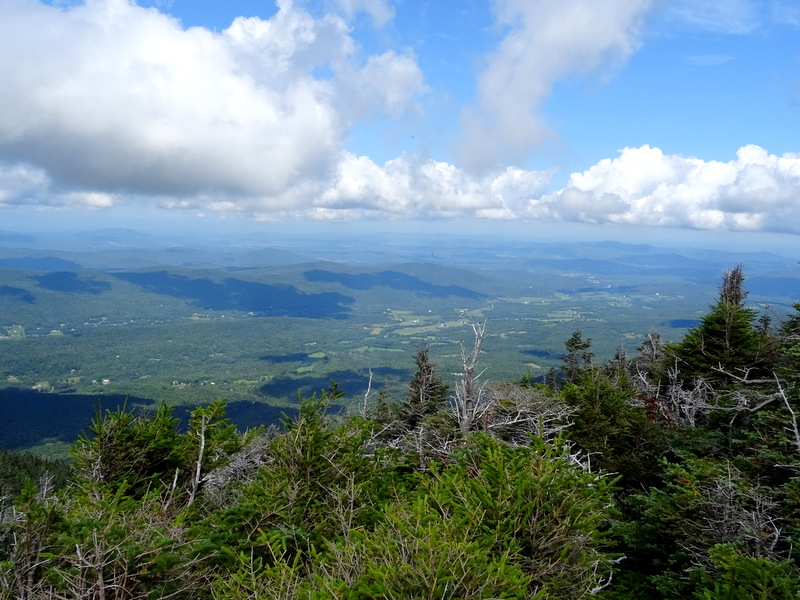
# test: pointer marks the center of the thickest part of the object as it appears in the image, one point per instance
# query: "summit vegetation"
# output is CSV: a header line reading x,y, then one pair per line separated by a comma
x,y
669,472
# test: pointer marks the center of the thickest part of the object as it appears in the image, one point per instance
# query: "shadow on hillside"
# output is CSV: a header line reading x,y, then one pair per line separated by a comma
x,y
352,383
237,294
31,417
16,293
391,279
285,358
67,281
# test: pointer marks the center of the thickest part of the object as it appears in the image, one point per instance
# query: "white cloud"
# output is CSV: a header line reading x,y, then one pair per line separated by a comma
x,y
407,187
107,103
90,200
547,40
757,191
382,85
109,96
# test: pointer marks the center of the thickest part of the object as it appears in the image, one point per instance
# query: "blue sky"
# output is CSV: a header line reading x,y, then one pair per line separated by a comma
x,y
623,114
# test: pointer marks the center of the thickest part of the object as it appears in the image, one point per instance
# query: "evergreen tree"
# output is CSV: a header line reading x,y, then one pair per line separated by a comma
x,y
726,339
17,468
578,356
133,450
427,393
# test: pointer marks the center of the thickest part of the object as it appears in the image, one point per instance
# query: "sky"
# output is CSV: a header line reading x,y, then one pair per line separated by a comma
x,y
637,115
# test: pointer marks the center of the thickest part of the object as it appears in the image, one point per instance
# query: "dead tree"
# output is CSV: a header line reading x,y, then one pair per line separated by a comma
x,y
515,413
675,403
469,400
508,412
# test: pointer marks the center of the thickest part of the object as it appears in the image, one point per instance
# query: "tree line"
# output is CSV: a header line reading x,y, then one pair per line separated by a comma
x,y
670,471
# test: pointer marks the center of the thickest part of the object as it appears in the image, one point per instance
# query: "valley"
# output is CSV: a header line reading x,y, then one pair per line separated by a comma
x,y
105,318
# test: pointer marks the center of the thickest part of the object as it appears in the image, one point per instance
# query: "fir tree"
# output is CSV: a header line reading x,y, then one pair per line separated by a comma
x,y
726,341
427,392
578,356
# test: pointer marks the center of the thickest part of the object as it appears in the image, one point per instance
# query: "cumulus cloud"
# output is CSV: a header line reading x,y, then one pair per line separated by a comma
x,y
108,96
410,187
756,191
546,41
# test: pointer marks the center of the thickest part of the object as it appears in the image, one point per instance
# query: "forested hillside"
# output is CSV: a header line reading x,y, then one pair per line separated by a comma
x,y
670,471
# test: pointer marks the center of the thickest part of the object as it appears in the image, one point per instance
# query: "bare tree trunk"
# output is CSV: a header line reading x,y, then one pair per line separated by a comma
x,y
467,394
365,405
197,472
794,428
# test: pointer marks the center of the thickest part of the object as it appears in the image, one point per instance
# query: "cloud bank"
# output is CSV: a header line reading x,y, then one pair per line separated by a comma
x,y
755,191
107,104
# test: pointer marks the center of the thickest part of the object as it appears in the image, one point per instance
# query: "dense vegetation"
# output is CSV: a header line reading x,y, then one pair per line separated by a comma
x,y
671,472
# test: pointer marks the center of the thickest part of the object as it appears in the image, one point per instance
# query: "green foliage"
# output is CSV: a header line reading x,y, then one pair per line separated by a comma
x,y
27,536
311,489
619,438
790,346
121,531
137,451
578,357
125,547
417,552
17,468
219,436
535,504
427,392
500,522
736,577
727,337
675,531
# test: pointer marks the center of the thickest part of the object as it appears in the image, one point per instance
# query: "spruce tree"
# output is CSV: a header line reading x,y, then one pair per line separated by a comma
x,y
427,392
578,357
726,340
